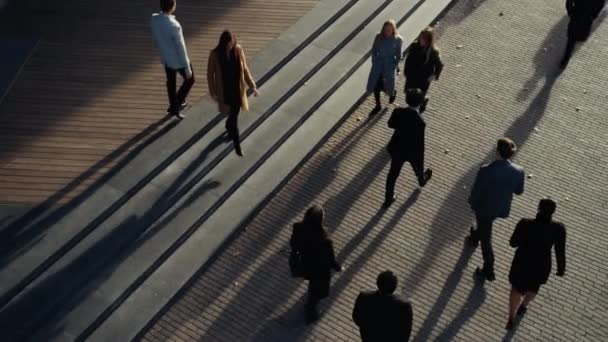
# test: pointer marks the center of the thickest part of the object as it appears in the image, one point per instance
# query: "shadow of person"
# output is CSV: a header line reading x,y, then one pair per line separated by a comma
x,y
446,293
472,303
269,288
549,54
57,295
289,326
454,216
546,58
577,43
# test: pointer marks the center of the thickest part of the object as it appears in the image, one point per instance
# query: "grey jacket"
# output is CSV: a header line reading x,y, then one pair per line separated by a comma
x,y
169,40
494,187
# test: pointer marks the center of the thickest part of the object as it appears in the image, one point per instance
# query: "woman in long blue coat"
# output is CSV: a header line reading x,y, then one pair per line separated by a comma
x,y
386,53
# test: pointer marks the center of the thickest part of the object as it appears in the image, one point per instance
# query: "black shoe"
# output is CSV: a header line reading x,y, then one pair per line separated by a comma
x,y
564,62
181,107
376,110
388,202
427,176
237,150
509,325
522,310
424,102
472,239
312,316
392,98
178,115
489,276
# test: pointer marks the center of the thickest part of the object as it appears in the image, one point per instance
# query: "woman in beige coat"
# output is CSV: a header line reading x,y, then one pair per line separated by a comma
x,y
228,77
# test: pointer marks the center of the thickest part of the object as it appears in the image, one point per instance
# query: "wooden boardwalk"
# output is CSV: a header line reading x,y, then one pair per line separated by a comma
x,y
93,89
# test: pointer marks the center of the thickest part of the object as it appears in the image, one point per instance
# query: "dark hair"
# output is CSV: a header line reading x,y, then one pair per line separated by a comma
x,y
313,220
506,148
414,97
546,208
387,282
166,5
220,49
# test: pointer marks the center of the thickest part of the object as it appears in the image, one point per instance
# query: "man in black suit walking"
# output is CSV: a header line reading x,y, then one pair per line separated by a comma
x,y
582,13
382,316
407,143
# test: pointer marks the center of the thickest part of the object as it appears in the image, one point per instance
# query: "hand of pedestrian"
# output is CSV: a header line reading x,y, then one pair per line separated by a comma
x,y
188,74
255,92
340,269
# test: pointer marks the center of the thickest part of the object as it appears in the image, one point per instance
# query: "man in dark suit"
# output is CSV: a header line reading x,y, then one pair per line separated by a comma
x,y
382,316
582,13
491,198
407,143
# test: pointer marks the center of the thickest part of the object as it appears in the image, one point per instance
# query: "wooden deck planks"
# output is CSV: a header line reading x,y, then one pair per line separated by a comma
x,y
95,82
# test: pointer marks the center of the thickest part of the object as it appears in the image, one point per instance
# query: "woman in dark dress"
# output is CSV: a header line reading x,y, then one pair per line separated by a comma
x,y
228,77
531,265
422,64
311,241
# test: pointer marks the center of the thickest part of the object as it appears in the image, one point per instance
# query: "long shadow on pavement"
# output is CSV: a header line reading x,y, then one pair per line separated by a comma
x,y
450,285
472,303
19,235
54,20
267,288
69,288
554,48
453,219
289,326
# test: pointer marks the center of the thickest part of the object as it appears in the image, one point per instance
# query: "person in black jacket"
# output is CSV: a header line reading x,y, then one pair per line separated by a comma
x,y
582,13
422,64
311,241
531,265
382,316
407,143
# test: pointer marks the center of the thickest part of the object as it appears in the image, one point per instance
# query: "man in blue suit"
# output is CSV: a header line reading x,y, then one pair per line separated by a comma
x,y
491,198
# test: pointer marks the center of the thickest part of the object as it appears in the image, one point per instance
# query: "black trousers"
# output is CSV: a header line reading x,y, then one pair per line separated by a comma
x,y
483,234
232,126
395,170
379,87
417,84
176,98
579,30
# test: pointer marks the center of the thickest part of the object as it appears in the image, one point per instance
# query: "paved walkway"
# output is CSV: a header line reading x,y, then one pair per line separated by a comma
x,y
500,80
93,88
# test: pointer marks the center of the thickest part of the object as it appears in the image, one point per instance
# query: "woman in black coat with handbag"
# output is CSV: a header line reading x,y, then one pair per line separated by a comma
x,y
534,239
310,241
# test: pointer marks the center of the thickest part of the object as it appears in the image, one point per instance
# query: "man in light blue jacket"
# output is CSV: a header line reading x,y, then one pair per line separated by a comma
x,y
491,198
169,40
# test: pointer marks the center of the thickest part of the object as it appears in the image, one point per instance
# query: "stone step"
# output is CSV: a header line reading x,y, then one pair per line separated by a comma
x,y
104,262
208,231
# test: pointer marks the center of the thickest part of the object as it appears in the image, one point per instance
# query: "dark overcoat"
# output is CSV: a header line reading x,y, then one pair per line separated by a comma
x,y
318,258
421,65
407,142
382,317
386,53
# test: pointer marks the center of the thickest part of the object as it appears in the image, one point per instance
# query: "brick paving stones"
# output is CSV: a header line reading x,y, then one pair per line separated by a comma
x,y
501,79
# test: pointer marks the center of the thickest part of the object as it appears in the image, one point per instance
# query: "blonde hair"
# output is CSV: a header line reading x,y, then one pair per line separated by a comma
x,y
393,25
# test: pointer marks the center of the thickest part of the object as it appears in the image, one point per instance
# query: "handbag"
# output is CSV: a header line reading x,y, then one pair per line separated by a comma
x,y
296,265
